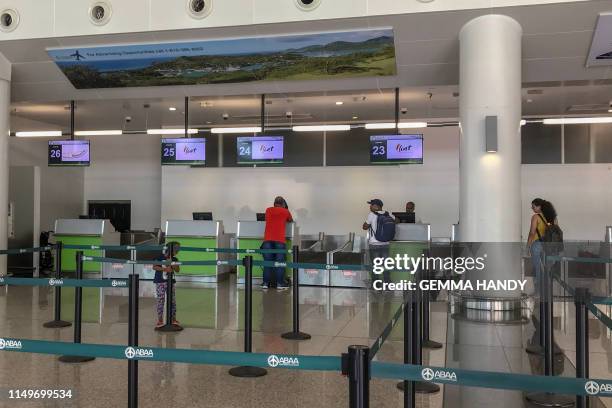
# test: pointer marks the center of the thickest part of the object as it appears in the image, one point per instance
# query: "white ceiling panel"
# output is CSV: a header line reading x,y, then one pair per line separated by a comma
x,y
428,52
561,69
558,45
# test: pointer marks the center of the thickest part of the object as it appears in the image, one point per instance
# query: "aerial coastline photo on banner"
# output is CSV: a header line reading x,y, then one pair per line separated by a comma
x,y
295,57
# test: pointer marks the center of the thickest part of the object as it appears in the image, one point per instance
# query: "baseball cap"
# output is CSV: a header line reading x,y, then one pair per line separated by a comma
x,y
376,201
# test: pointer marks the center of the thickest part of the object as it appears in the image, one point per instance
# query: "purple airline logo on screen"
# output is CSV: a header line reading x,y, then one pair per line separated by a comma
x,y
266,149
190,151
75,152
404,148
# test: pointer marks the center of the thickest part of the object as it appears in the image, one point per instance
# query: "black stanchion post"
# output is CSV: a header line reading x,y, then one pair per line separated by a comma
x,y
133,341
170,317
427,342
248,371
415,338
547,399
409,387
296,334
582,341
57,308
78,309
359,376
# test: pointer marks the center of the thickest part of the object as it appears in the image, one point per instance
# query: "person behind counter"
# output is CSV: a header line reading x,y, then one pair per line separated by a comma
x,y
377,249
277,218
410,207
162,272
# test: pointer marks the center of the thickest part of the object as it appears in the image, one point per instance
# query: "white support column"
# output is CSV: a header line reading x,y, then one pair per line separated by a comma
x,y
490,183
5,104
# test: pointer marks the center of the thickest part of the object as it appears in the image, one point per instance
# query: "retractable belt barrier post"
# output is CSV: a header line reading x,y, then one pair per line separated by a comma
x,y
548,399
427,342
416,337
57,308
410,320
133,342
581,297
78,309
296,334
356,365
248,371
170,326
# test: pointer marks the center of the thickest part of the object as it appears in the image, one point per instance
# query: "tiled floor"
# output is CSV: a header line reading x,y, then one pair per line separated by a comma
x,y
336,318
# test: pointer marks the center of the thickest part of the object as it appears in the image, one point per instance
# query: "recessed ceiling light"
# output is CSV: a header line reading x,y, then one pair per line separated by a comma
x,y
355,117
339,103
610,110
172,108
529,100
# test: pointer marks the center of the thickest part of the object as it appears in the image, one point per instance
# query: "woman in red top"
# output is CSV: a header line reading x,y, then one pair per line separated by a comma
x,y
277,218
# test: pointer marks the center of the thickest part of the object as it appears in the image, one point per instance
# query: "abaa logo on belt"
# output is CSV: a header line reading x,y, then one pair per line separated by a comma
x,y
116,283
429,374
593,388
276,361
55,282
10,344
134,352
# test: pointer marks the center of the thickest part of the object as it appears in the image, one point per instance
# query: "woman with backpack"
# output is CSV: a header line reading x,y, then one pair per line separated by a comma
x,y
544,216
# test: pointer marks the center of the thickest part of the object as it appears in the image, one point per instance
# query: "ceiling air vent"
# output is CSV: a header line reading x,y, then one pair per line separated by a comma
x,y
9,20
588,108
307,5
199,8
100,13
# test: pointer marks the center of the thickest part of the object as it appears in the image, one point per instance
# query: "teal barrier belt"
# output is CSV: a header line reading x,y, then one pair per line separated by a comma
x,y
386,332
85,283
487,379
231,358
230,262
185,249
25,250
565,286
598,300
580,259
116,247
332,267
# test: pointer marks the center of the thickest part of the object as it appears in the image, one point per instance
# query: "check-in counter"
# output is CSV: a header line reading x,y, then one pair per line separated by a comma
x,y
250,234
411,240
199,234
314,249
84,232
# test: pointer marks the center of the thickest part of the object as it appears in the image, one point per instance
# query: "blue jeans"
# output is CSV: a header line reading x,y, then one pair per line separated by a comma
x,y
268,271
537,261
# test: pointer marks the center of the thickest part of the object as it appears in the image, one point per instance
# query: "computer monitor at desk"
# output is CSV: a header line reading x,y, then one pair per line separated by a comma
x,y
405,217
202,216
261,216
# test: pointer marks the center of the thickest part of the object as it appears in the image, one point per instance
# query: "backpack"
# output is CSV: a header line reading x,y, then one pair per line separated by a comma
x,y
552,239
385,227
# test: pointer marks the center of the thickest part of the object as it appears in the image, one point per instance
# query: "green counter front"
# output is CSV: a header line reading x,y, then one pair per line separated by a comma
x,y
412,249
69,255
191,242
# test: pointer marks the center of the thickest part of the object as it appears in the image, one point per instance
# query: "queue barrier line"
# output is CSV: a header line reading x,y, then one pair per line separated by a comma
x,y
376,346
579,259
184,249
229,262
490,379
25,250
601,316
190,356
64,282
470,378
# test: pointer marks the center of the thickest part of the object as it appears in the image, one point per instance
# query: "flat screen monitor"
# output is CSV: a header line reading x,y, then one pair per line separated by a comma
x,y
405,217
260,150
183,151
202,216
68,153
396,149
261,216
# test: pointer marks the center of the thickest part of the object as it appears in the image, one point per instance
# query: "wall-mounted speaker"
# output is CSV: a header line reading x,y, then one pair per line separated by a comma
x,y
307,5
9,20
199,8
100,13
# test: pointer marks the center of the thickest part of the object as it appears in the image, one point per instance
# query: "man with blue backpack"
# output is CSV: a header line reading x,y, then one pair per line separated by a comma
x,y
381,231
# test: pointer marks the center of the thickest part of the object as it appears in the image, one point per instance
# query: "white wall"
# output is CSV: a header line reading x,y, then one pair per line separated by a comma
x,y
329,199
581,193
127,168
61,193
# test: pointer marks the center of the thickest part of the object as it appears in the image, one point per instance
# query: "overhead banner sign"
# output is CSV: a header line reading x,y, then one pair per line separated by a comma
x,y
293,57
601,48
